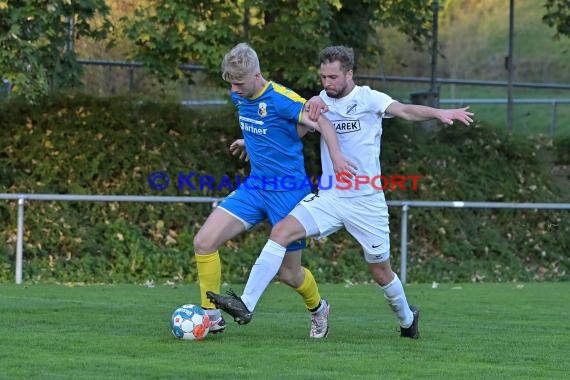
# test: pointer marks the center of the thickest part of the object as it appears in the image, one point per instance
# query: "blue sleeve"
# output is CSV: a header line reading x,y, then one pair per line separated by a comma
x,y
288,104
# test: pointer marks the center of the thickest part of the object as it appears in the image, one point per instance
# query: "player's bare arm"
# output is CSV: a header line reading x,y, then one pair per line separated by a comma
x,y
302,130
340,163
414,112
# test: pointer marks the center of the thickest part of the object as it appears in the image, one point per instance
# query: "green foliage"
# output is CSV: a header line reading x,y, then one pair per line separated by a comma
x,y
171,32
84,145
414,19
558,16
562,146
479,164
34,38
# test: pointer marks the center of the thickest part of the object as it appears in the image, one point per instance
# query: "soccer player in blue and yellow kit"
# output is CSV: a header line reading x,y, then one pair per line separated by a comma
x,y
268,117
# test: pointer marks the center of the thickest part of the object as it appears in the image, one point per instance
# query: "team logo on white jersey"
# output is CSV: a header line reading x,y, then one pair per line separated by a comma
x,y
346,126
262,110
351,109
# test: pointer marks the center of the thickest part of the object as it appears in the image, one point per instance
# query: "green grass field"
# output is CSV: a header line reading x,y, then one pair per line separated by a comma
x,y
469,331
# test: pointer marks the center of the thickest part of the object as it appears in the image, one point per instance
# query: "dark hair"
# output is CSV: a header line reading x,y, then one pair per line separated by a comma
x,y
343,54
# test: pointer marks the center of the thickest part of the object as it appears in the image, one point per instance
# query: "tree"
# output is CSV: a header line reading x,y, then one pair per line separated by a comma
x,y
558,16
36,41
287,34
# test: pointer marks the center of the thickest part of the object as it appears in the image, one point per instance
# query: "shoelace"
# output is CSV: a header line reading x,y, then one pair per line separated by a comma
x,y
231,293
316,321
313,324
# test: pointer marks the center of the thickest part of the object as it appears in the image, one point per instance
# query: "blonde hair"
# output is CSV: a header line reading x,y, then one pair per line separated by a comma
x,y
239,62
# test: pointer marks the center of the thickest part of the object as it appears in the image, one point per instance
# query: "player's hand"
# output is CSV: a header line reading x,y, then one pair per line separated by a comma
x,y
461,114
343,166
238,147
315,106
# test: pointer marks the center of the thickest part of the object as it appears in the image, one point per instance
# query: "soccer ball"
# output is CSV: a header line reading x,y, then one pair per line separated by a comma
x,y
190,322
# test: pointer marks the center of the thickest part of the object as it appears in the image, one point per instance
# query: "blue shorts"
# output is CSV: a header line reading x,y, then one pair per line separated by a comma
x,y
253,206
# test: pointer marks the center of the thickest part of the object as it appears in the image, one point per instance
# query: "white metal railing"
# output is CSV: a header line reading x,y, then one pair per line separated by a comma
x,y
499,101
21,198
458,204
405,205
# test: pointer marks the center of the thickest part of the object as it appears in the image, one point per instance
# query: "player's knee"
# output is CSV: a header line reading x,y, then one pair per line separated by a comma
x,y
203,243
285,232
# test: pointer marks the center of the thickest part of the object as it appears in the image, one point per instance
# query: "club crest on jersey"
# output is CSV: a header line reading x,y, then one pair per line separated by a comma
x,y
262,110
351,109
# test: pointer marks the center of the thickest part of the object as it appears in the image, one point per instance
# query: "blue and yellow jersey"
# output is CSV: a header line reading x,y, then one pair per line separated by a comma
x,y
269,126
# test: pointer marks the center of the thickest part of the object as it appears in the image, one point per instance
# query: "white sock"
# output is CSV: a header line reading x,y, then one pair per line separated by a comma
x,y
394,294
263,271
214,314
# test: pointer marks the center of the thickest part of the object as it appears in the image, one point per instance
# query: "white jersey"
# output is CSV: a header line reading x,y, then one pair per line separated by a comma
x,y
357,119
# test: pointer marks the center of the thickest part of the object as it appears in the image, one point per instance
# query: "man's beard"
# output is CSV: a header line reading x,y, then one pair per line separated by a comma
x,y
336,93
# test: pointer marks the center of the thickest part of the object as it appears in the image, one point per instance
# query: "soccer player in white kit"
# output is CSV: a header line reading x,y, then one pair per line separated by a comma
x,y
354,202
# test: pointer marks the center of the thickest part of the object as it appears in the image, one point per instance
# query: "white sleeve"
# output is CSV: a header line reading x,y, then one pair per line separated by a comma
x,y
378,102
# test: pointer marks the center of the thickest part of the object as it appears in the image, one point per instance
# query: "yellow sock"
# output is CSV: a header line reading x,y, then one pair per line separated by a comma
x,y
209,276
309,290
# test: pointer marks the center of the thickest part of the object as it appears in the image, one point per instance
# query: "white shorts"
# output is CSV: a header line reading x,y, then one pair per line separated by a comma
x,y
364,217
